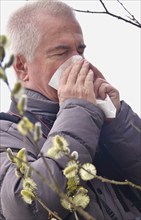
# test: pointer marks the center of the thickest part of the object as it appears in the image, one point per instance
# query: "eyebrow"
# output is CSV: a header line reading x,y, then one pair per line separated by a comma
x,y
63,47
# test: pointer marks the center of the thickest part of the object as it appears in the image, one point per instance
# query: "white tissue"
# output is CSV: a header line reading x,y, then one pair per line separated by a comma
x,y
54,82
105,105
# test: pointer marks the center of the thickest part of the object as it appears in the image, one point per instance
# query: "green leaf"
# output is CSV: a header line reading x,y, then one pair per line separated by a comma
x,y
66,204
71,170
37,133
10,155
27,196
3,75
22,104
3,40
2,53
29,183
25,126
72,184
17,88
81,200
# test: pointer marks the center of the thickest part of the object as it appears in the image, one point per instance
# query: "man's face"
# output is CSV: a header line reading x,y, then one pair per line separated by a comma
x,y
62,39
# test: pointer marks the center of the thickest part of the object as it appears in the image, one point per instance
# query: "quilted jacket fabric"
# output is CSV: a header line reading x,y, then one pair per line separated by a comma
x,y
114,147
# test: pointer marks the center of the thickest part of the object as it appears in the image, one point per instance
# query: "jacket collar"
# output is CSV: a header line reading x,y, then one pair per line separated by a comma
x,y
40,105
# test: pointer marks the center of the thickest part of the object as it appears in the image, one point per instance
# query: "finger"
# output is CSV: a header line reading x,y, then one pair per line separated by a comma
x,y
74,72
83,73
97,73
105,89
64,76
97,84
89,79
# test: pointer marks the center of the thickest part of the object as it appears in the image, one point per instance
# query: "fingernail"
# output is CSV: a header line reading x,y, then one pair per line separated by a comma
x,y
91,72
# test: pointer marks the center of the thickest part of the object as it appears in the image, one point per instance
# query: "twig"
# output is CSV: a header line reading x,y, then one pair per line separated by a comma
x,y
47,209
47,167
126,182
137,24
132,16
104,6
102,179
76,216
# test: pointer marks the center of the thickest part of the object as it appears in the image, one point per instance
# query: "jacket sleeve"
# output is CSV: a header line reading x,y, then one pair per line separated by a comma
x,y
80,123
122,138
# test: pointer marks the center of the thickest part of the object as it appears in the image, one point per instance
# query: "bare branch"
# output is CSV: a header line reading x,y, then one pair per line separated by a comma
x,y
132,16
110,14
132,21
104,6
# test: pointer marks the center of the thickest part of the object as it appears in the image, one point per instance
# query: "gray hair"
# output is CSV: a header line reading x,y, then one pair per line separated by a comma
x,y
23,29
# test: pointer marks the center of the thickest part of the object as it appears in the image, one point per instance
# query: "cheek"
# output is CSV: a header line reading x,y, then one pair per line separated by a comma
x,y
48,72
38,72
42,72
50,69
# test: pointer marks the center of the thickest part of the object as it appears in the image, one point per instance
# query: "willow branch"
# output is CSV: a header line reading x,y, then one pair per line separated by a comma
x,y
105,180
47,209
126,182
62,195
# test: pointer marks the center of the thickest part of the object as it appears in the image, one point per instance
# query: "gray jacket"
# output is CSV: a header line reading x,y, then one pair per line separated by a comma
x,y
113,147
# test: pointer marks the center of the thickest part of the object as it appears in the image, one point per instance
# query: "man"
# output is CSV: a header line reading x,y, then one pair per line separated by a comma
x,y
44,35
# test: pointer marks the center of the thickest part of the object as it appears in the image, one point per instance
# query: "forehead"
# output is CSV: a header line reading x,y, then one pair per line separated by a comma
x,y
60,29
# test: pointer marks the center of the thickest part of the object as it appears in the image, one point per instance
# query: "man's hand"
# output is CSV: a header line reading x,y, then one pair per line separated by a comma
x,y
82,80
77,82
102,88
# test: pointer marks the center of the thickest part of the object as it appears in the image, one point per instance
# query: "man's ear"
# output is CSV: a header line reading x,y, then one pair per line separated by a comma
x,y
21,68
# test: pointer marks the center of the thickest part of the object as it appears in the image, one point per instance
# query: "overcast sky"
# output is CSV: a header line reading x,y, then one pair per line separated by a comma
x,y
113,46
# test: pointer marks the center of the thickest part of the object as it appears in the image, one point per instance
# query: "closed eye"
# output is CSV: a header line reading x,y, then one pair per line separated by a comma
x,y
60,54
